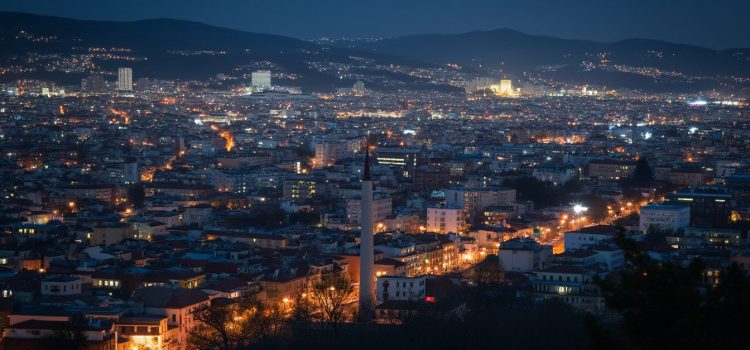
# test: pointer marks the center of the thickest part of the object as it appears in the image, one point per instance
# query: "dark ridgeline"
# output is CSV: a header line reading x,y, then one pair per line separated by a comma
x,y
170,46
512,51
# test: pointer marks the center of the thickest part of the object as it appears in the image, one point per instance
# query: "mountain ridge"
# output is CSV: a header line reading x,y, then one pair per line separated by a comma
x,y
181,49
177,49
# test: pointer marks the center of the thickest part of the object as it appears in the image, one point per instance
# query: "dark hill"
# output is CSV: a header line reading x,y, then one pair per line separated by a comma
x,y
173,49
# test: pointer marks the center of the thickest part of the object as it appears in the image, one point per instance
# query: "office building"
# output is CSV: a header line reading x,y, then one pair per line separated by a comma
x,y
405,160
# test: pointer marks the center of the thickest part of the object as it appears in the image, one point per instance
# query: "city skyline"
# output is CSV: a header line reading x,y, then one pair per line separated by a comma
x,y
174,185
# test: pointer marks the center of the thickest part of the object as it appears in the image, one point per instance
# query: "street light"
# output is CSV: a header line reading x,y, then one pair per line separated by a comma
x,y
578,209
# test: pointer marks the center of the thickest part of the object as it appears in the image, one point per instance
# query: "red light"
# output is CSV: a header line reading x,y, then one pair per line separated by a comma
x,y
430,299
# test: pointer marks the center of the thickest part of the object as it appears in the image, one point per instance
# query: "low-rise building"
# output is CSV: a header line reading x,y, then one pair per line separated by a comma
x,y
571,284
664,217
523,255
589,236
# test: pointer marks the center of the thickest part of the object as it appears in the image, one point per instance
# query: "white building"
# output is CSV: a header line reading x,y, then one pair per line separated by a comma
x,y
446,219
523,255
589,236
125,79
261,79
61,285
610,256
401,288
664,217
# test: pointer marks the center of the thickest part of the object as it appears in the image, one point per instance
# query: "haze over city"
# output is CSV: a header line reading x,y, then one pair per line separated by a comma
x,y
413,175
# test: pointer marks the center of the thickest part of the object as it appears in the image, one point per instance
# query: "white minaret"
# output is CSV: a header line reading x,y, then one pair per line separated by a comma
x,y
366,247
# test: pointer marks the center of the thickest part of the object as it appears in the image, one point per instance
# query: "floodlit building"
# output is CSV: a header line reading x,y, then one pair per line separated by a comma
x,y
261,80
505,88
401,288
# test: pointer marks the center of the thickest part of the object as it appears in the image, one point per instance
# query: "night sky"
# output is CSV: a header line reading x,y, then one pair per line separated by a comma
x,y
711,23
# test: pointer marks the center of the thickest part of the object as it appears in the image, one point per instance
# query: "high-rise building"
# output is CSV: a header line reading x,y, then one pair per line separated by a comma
x,y
125,79
261,79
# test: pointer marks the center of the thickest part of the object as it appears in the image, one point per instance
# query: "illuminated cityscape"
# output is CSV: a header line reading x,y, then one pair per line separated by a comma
x,y
170,184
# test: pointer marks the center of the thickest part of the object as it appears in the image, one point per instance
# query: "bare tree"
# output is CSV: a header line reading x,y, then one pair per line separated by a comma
x,y
236,324
330,298
265,320
217,328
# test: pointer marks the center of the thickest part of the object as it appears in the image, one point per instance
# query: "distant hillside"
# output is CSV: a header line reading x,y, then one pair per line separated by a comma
x,y
65,50
170,49
517,52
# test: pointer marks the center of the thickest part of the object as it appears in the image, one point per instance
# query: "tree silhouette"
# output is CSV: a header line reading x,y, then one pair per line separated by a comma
x,y
666,305
72,337
642,175
327,301
236,324
136,195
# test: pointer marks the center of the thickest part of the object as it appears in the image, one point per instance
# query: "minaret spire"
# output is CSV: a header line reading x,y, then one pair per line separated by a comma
x,y
366,176
366,246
